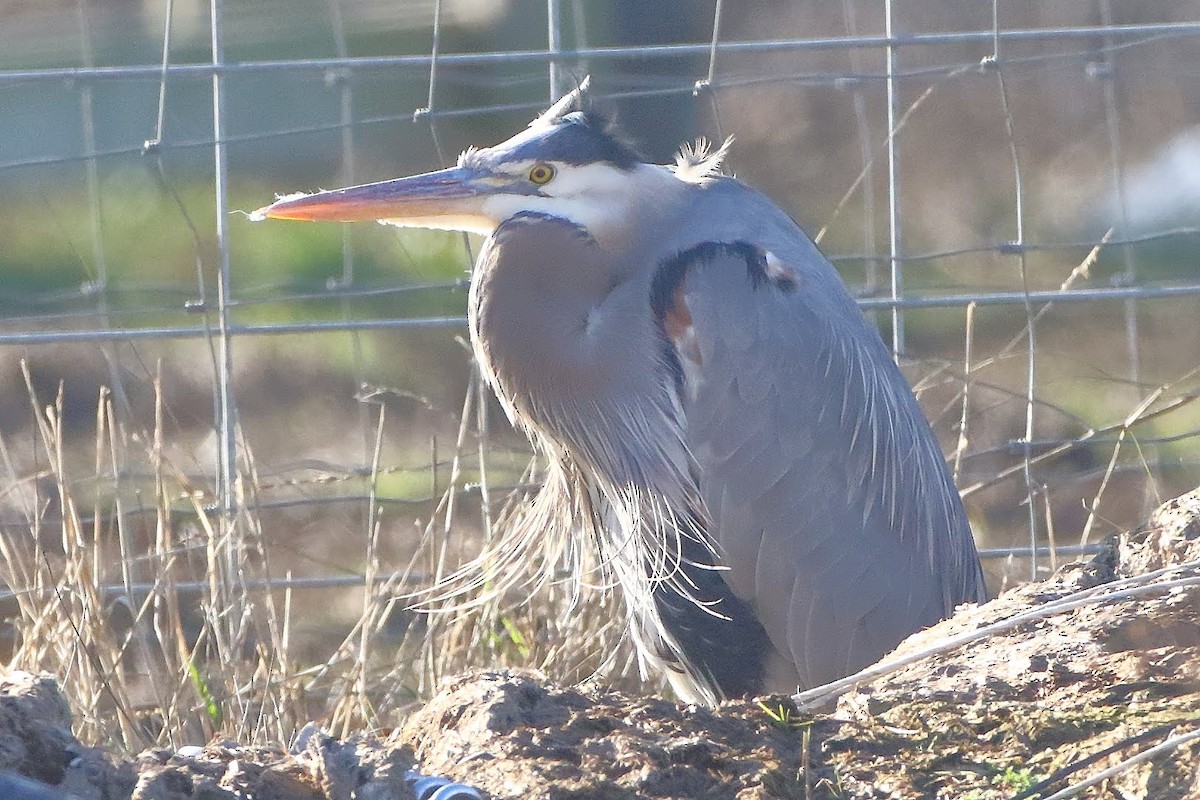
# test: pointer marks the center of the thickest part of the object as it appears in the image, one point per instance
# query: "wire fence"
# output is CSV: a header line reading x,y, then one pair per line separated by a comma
x,y
1055,352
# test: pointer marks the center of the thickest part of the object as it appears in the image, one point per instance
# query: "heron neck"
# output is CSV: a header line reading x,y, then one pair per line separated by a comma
x,y
562,329
550,312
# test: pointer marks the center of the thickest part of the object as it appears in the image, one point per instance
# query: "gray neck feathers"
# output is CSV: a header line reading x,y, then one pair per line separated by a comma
x,y
563,332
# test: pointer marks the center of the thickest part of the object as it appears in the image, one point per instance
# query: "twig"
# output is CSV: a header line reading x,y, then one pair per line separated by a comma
x,y
820,695
1170,744
1087,761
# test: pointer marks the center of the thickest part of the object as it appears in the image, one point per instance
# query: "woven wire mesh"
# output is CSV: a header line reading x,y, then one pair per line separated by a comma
x,y
1012,191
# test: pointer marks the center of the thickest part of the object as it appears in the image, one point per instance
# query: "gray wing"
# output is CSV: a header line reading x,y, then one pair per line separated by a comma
x,y
826,490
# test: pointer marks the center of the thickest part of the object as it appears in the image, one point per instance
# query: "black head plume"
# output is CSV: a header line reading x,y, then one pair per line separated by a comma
x,y
583,133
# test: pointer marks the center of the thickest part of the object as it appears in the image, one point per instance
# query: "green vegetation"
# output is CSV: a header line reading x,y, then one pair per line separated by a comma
x,y
782,711
1011,781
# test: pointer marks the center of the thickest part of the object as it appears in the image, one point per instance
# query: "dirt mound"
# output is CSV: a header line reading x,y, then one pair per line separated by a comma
x,y
1105,689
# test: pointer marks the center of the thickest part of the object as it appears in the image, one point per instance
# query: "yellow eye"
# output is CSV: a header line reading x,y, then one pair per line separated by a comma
x,y
541,174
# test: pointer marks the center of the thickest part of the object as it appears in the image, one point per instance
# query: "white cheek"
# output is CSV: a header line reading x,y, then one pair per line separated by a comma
x,y
596,213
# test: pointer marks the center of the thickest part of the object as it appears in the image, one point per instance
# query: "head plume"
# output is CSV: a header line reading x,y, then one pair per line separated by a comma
x,y
588,134
575,100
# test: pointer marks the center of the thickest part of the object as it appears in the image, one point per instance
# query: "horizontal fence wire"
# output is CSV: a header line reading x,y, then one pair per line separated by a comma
x,y
1158,31
266,329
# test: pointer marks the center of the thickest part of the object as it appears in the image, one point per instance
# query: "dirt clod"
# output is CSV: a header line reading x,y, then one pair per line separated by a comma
x,y
35,727
1027,711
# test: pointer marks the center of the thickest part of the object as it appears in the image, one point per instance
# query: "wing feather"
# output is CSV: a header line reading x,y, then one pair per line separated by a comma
x,y
825,488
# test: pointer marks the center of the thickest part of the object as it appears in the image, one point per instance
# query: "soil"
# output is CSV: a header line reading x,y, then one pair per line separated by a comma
x,y
1023,712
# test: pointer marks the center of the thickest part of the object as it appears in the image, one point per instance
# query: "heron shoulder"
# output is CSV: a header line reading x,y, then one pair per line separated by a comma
x,y
724,211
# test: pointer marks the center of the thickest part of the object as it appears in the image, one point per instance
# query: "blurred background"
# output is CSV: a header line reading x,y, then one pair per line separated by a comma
x,y
1038,146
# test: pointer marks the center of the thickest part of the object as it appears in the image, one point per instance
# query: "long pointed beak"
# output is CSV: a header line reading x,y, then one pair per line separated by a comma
x,y
450,199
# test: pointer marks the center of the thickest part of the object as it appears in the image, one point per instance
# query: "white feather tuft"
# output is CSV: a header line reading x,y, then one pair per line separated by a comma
x,y
698,161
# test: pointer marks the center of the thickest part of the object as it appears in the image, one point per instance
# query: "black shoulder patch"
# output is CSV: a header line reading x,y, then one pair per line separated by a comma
x,y
667,278
673,269
671,273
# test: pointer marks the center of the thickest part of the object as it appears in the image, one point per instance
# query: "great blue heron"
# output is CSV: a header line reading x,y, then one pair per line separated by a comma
x,y
717,414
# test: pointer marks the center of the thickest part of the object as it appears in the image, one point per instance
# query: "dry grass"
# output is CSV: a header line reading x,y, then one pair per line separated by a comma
x,y
172,627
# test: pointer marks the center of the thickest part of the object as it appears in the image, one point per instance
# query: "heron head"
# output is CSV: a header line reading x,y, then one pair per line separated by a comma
x,y
570,163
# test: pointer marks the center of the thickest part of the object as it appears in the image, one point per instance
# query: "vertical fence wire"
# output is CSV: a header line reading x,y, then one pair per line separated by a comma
x,y
98,287
349,175
554,47
1107,75
706,86
997,65
230,616
226,424
895,261
867,154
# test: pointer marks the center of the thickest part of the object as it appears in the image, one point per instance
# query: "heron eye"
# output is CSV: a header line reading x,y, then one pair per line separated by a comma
x,y
541,174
